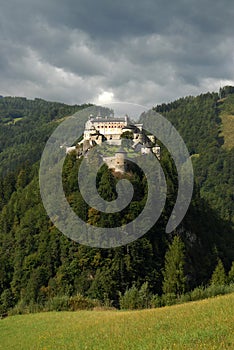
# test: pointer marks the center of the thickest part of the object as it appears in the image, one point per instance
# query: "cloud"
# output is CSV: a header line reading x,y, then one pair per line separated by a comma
x,y
144,52
104,97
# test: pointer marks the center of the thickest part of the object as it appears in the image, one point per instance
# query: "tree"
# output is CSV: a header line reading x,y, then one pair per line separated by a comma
x,y
174,278
106,187
127,138
231,274
127,135
219,276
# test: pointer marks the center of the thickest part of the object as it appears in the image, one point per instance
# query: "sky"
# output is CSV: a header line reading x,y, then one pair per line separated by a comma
x,y
145,52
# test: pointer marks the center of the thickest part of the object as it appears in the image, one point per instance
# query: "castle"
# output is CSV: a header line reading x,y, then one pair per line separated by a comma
x,y
112,131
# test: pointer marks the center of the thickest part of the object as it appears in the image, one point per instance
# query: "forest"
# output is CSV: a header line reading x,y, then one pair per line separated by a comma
x,y
39,265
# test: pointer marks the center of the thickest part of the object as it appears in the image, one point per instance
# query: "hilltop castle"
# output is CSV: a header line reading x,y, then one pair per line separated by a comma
x,y
112,131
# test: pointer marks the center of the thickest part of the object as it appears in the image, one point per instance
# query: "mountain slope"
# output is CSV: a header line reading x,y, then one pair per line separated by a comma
x,y
37,262
25,125
199,121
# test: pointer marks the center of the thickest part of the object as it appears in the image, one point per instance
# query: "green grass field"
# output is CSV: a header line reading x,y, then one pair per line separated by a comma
x,y
207,324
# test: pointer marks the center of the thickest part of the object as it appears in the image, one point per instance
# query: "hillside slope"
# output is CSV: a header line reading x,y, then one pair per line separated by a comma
x,y
207,324
206,125
25,125
37,262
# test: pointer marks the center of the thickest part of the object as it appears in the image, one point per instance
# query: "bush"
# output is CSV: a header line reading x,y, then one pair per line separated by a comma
x,y
130,299
58,303
7,299
34,307
155,301
3,310
136,299
219,276
19,309
215,290
79,302
185,298
198,294
231,274
169,299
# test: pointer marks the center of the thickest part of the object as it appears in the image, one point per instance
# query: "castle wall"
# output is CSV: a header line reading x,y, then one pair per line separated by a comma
x,y
99,129
105,126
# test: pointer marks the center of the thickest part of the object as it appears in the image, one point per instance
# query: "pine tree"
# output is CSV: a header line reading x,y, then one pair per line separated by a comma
x,y
231,274
174,277
219,275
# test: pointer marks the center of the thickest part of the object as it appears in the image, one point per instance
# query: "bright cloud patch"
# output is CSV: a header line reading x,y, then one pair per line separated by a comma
x,y
105,97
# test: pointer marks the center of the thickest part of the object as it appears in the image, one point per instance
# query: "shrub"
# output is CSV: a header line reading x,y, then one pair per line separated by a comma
x,y
144,296
169,299
198,293
79,302
130,299
184,298
7,299
19,309
215,290
231,274
218,277
155,301
58,303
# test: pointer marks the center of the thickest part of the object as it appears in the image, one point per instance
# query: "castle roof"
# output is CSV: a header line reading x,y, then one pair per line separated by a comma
x,y
108,120
130,127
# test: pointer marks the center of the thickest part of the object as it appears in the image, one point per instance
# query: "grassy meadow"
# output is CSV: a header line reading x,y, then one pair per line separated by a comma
x,y
206,324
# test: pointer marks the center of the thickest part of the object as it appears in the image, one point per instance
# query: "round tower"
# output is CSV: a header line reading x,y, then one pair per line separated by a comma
x,y
120,160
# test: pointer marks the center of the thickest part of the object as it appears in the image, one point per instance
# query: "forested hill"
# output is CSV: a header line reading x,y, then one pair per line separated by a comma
x,y
38,263
206,124
25,125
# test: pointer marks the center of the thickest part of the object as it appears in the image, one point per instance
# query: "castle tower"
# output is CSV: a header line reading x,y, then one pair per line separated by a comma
x,y
120,160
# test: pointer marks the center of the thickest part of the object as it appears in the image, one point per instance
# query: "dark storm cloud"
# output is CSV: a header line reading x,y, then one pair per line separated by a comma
x,y
141,51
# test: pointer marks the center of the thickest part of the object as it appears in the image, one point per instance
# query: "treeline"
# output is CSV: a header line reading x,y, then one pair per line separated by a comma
x,y
174,290
198,121
39,264
25,126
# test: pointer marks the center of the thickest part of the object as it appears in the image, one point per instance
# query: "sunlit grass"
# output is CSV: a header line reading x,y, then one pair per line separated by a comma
x,y
228,130
207,324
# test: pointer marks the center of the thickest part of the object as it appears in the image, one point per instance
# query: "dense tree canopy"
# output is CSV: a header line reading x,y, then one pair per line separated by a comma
x,y
37,262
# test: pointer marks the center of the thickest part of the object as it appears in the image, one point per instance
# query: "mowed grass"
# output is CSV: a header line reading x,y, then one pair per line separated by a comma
x,y
228,130
207,324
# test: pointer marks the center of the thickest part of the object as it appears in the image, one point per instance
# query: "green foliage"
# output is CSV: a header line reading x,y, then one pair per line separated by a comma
x,y
58,303
130,299
127,135
22,142
134,298
199,123
168,299
225,91
231,274
7,300
156,301
127,138
79,302
38,265
174,279
219,276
